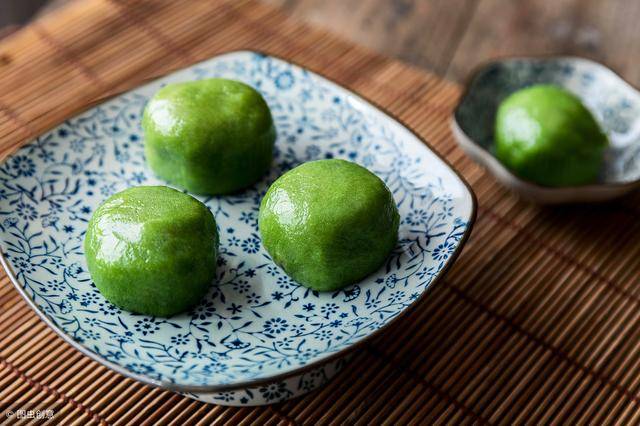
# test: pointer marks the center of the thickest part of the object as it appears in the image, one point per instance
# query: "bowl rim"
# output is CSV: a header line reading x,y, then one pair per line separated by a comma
x,y
543,57
296,371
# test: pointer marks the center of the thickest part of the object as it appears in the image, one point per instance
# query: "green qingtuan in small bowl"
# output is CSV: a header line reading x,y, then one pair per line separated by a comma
x,y
152,250
328,223
211,136
545,134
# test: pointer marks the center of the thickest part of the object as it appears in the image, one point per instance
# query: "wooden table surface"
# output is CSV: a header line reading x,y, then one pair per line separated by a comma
x,y
450,37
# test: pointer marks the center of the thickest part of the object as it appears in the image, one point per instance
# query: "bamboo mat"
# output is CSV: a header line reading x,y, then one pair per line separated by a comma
x,y
538,321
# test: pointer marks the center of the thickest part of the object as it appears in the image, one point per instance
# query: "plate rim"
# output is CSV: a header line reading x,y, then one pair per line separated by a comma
x,y
176,387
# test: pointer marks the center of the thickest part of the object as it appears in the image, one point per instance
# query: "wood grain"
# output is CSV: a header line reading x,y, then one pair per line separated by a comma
x,y
424,33
605,31
451,37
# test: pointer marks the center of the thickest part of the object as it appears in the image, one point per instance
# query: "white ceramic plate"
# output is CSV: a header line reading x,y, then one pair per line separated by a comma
x,y
257,337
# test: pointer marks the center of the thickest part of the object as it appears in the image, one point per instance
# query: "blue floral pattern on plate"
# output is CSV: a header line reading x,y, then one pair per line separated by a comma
x,y
255,323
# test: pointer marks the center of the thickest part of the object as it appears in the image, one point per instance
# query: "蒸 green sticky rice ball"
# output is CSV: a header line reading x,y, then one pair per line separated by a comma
x,y
211,136
328,223
152,250
545,134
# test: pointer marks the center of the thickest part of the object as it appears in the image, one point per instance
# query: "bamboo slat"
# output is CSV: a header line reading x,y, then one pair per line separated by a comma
x,y
538,321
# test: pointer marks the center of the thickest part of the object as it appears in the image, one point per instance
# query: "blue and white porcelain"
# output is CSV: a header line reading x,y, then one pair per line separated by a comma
x,y
257,337
614,103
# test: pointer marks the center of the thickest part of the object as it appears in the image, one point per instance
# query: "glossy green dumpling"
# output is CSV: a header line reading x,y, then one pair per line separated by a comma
x,y
210,136
152,250
545,134
328,223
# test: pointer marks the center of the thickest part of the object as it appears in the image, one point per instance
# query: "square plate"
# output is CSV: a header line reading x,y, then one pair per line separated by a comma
x,y
255,324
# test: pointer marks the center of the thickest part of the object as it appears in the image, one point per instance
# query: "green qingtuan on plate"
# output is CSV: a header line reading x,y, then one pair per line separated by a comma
x,y
328,223
152,250
546,135
211,136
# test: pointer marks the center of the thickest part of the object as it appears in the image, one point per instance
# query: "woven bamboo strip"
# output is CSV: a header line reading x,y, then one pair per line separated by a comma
x,y
241,415
173,410
386,379
298,408
192,408
27,393
48,350
150,401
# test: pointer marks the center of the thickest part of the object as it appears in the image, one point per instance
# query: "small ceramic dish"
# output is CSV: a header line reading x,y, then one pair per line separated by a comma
x,y
257,337
614,103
